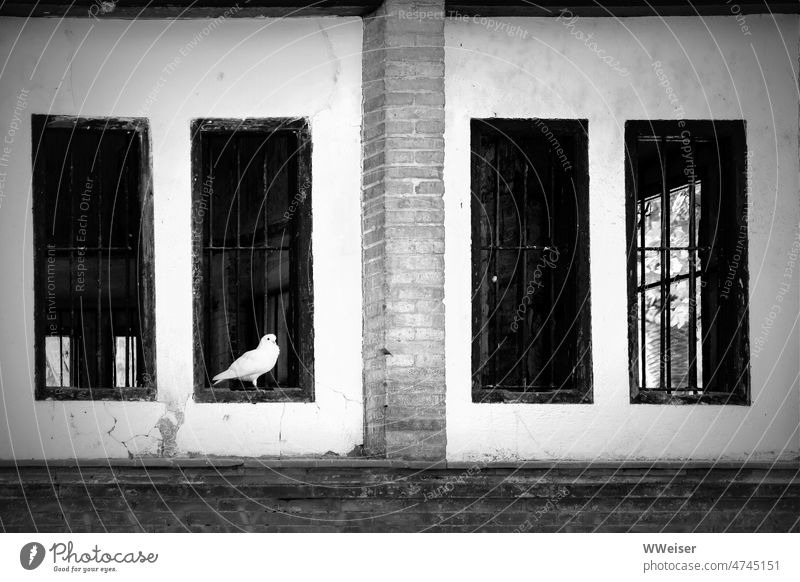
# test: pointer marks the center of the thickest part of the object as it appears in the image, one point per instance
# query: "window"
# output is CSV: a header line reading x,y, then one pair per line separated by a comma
x,y
687,262
93,256
252,273
530,261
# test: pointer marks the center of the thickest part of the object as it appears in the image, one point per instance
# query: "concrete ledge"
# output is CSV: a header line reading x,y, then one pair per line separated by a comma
x,y
366,463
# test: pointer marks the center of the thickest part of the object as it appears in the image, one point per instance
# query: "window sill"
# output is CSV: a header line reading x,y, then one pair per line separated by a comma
x,y
207,395
712,398
495,395
98,394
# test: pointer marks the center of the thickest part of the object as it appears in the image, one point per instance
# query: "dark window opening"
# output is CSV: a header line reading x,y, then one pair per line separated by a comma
x,y
530,261
93,253
251,224
687,268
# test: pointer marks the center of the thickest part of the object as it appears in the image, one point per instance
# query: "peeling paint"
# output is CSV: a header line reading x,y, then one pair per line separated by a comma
x,y
168,425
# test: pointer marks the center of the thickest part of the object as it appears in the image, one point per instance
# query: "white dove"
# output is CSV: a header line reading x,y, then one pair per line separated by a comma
x,y
254,363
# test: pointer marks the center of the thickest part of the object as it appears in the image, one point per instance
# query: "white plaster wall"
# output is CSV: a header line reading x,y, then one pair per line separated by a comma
x,y
241,68
716,72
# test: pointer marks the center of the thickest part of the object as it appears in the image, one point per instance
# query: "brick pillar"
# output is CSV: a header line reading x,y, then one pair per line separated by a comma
x,y
403,230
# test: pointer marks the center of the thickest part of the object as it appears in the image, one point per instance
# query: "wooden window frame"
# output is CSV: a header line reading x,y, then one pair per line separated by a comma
x,y
140,126
731,135
305,392
583,390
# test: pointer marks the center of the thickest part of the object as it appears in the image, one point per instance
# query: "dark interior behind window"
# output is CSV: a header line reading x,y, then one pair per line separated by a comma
x,y
531,339
251,221
93,239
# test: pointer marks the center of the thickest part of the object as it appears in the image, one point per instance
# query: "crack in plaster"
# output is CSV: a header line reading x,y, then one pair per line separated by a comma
x,y
343,395
113,427
280,424
334,59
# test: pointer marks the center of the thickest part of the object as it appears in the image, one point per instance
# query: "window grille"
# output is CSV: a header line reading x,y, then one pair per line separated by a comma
x,y
92,213
251,218
531,340
687,221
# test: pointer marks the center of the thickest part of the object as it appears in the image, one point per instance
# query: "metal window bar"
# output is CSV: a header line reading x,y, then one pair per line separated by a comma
x,y
75,350
524,336
229,286
60,353
523,247
202,230
290,298
130,379
496,237
692,281
666,346
670,280
251,249
551,229
517,247
265,252
212,161
642,283
276,318
237,193
98,161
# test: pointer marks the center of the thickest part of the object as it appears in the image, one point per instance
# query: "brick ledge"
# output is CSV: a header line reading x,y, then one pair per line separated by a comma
x,y
357,463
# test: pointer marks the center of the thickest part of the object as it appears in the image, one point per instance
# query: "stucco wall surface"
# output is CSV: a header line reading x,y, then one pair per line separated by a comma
x,y
172,72
609,71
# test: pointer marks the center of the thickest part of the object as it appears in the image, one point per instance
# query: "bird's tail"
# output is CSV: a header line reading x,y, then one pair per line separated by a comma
x,y
226,375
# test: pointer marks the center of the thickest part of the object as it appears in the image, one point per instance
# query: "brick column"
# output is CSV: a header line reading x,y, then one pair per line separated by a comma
x,y
403,230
